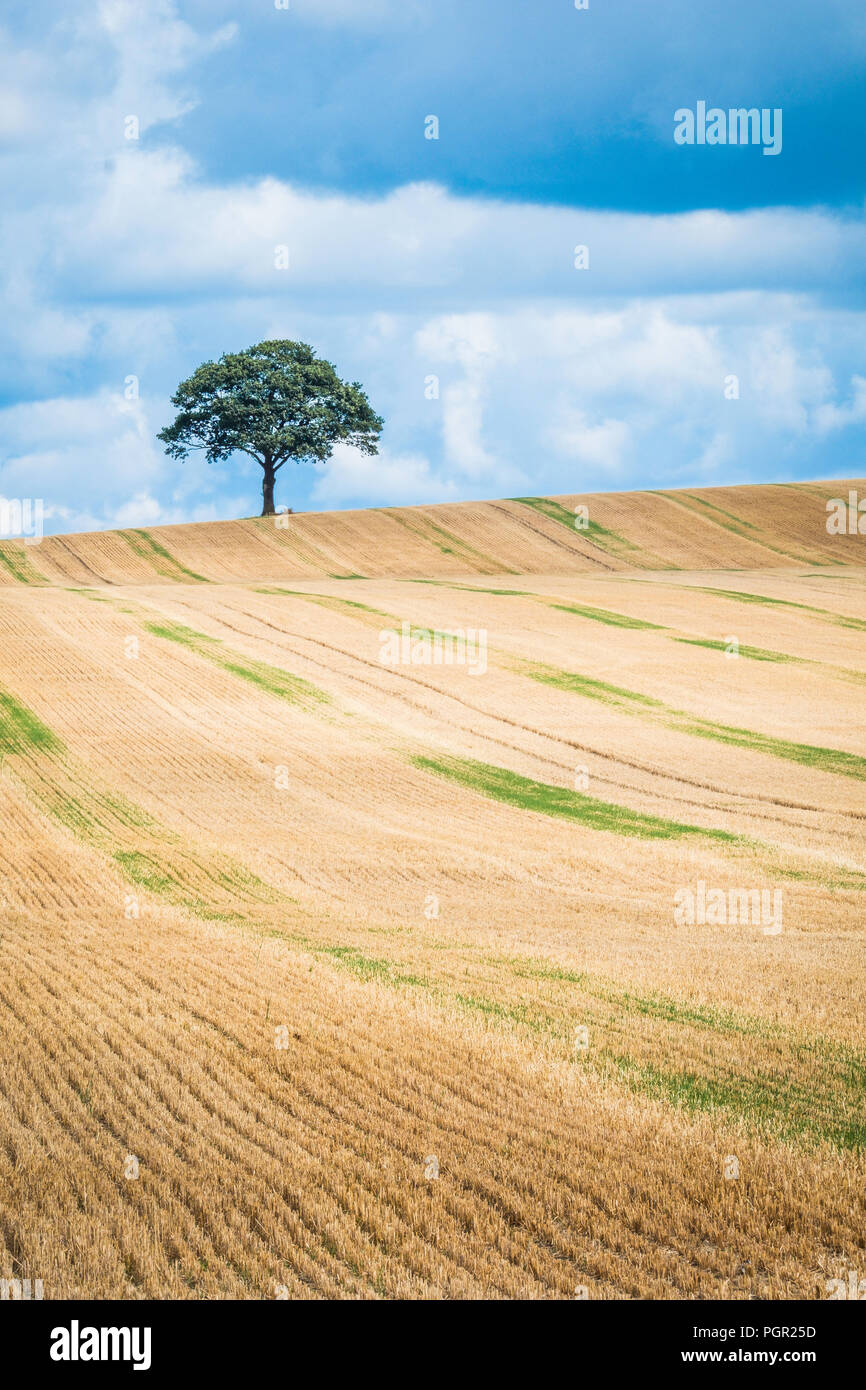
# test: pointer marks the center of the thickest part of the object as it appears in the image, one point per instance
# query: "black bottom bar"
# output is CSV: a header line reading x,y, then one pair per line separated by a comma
x,y
225,1338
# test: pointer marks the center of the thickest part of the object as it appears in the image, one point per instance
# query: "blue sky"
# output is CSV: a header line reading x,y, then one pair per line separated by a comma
x,y
127,261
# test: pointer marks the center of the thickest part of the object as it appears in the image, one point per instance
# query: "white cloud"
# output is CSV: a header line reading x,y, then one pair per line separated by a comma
x,y
831,416
462,426
386,478
140,510
118,257
470,341
532,398
152,226
785,386
717,454
95,459
602,445
150,48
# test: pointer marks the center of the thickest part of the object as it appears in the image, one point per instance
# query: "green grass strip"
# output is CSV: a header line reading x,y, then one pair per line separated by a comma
x,y
16,562
630,702
824,1107
146,548
145,872
555,511
177,632
446,542
770,1103
367,967
606,615
272,679
751,653
807,754
94,817
607,540
738,526
22,732
474,588
741,596
614,695
500,784
337,605
155,874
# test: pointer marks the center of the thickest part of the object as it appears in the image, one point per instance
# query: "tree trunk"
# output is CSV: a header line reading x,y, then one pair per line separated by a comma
x,y
268,508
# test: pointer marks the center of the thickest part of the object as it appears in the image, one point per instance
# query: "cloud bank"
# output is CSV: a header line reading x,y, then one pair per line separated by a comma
x,y
512,346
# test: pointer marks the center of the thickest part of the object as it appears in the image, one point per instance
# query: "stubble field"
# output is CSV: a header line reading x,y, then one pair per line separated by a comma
x,y
331,970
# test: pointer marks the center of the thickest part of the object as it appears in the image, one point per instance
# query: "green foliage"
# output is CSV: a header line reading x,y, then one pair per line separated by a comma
x,y
276,402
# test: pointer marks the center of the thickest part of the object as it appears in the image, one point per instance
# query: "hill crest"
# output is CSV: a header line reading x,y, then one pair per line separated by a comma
x,y
757,526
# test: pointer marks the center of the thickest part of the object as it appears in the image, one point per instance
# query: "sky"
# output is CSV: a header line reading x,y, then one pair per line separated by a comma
x,y
555,295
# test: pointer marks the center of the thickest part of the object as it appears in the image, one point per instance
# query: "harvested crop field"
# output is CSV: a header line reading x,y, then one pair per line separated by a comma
x,y
439,902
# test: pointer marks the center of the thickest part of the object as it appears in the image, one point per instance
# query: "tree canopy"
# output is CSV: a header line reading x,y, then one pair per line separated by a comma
x,y
276,402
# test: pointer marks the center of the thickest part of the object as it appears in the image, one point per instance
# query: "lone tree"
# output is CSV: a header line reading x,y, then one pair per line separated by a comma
x,y
277,401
